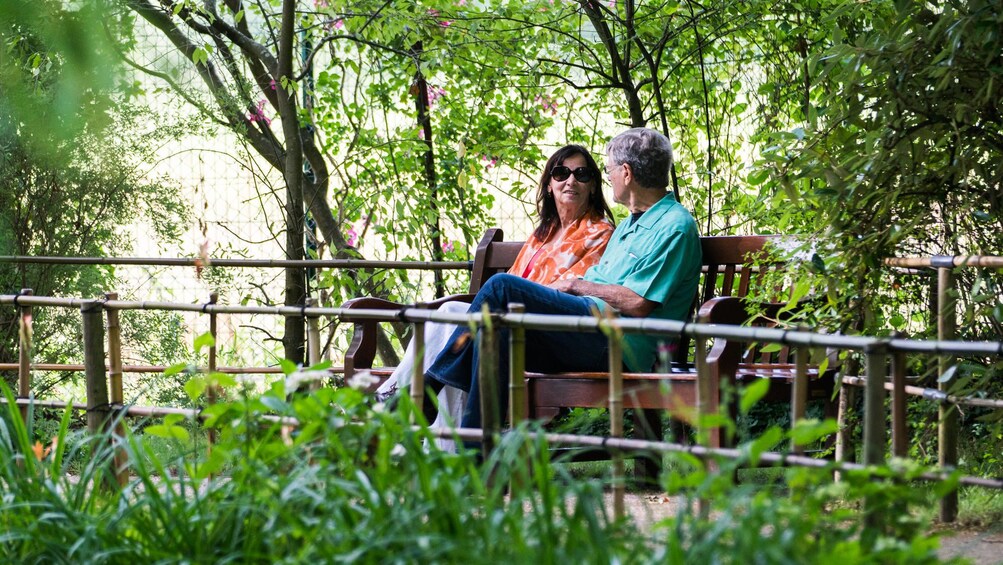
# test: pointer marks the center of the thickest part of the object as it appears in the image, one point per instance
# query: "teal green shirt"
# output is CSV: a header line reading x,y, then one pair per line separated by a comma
x,y
658,257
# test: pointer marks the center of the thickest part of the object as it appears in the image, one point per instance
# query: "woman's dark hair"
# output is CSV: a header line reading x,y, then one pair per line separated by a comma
x,y
545,205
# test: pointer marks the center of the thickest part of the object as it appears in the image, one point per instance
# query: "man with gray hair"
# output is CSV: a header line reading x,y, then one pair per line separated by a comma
x,y
649,269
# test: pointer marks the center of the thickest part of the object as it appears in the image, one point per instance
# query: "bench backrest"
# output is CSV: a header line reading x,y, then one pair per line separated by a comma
x,y
727,266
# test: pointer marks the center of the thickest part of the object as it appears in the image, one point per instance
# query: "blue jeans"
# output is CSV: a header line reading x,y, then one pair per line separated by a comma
x,y
546,351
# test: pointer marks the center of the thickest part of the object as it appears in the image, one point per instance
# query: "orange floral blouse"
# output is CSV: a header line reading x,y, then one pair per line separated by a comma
x,y
581,247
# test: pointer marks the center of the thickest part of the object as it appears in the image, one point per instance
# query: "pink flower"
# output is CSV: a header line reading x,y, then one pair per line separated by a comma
x,y
491,161
445,23
258,113
338,24
352,237
447,246
434,93
461,3
271,84
547,104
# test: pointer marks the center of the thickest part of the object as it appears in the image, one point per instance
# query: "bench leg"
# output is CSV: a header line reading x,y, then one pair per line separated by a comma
x,y
648,426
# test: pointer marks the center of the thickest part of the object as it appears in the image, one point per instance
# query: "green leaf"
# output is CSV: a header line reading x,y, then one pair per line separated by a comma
x,y
195,387
167,432
288,367
753,394
770,439
323,365
771,348
200,56
175,369
757,177
809,431
222,379
204,340
273,403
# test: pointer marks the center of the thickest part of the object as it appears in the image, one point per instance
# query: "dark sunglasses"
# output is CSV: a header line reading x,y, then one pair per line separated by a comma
x,y
561,173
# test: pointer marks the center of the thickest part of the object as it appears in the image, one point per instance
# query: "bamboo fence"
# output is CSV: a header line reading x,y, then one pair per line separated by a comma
x,y
104,367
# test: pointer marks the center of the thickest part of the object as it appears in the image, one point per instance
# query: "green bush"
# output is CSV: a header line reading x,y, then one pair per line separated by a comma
x,y
354,483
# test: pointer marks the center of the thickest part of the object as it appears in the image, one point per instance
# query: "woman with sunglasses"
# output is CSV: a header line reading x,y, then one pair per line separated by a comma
x,y
575,226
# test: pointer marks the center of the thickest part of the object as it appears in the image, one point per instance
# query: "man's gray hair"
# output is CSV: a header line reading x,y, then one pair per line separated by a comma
x,y
648,153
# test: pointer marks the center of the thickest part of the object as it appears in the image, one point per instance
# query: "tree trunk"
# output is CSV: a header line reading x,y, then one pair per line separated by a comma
x,y
295,278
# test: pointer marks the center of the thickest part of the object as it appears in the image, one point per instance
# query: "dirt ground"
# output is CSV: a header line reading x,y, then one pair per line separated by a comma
x,y
980,547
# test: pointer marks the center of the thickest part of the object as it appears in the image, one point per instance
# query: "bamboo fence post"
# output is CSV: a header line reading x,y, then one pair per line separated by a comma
x,y
845,444
94,367
114,352
313,341
488,377
874,405
517,369
98,409
212,392
327,350
418,372
900,439
947,434
24,353
874,417
517,402
117,396
616,414
799,393
702,409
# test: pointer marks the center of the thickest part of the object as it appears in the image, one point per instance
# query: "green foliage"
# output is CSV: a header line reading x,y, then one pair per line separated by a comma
x,y
77,200
55,80
899,156
352,482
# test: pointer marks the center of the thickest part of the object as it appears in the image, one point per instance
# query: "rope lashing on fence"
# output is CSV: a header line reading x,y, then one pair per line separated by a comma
x,y
402,314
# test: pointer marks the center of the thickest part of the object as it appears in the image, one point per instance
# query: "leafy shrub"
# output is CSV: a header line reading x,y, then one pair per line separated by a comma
x,y
355,483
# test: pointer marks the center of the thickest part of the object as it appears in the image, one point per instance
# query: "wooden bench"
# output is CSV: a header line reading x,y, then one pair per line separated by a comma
x,y
728,274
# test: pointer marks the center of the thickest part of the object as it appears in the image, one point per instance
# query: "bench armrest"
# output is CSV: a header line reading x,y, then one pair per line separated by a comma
x,y
724,356
361,351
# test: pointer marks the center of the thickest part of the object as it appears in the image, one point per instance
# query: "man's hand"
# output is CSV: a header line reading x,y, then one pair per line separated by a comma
x,y
620,298
563,285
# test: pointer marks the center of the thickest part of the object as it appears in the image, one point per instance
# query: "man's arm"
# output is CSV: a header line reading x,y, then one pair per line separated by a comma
x,y
621,298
